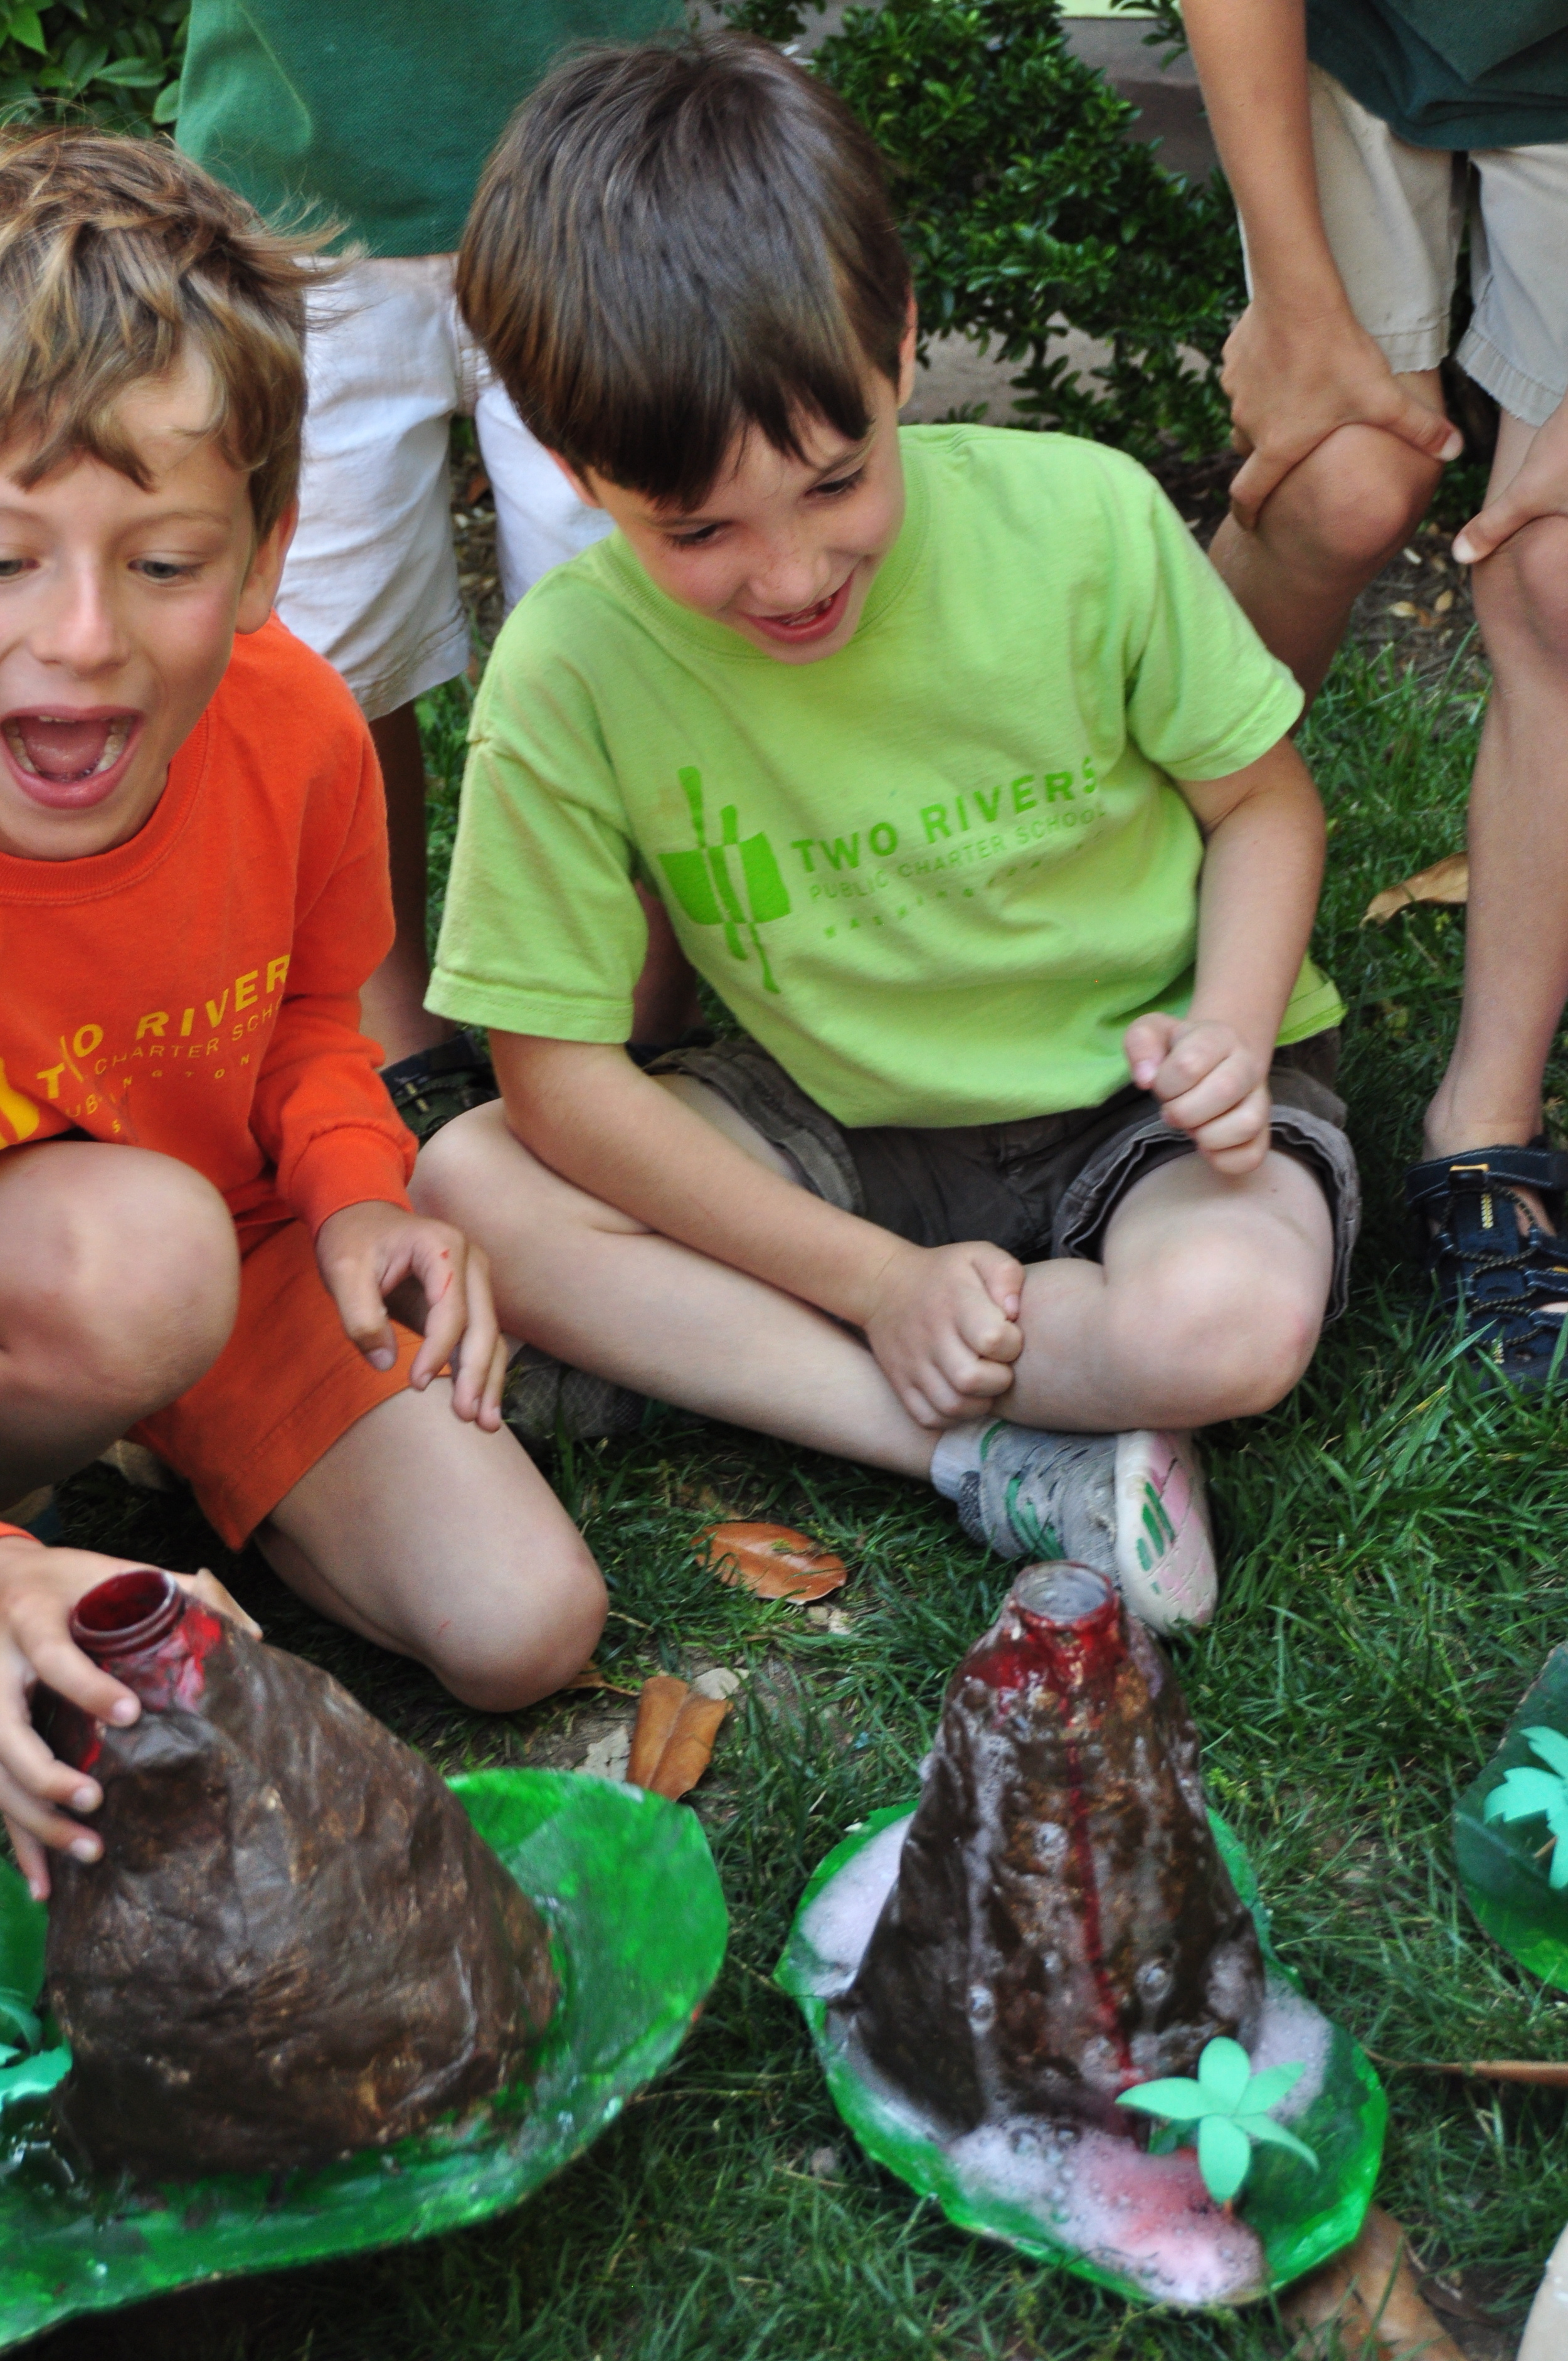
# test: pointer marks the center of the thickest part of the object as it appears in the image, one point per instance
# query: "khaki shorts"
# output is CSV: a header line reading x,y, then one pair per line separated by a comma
x,y
371,579
1044,1187
1395,214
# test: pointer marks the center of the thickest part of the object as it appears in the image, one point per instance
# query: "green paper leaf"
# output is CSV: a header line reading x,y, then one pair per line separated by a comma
x,y
1179,2102
16,2017
1223,2072
1504,1870
1525,1795
1225,2153
1266,2090
1264,2129
34,2075
1552,1746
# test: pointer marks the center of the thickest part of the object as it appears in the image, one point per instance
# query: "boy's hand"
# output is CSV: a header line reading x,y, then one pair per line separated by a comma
x,y
1539,489
365,1253
1210,1085
944,1327
39,1588
1291,380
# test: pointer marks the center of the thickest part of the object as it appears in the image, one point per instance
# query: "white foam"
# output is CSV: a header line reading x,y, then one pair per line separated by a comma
x,y
1292,2033
840,1922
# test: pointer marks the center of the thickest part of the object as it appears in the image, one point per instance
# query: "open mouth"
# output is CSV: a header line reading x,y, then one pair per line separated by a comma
x,y
807,622
68,759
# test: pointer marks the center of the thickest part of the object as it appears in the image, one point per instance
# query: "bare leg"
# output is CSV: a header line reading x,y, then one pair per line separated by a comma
x,y
392,1003
1324,534
444,1544
1208,1305
1516,951
119,1280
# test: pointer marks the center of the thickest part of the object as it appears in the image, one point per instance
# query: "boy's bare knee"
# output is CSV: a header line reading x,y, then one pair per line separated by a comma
x,y
532,1644
1354,500
457,1171
138,1274
1236,1332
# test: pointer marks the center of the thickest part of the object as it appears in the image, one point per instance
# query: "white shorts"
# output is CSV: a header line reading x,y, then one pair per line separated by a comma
x,y
371,581
1395,214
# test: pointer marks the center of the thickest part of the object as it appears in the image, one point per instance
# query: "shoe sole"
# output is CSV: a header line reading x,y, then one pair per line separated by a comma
x,y
1165,1556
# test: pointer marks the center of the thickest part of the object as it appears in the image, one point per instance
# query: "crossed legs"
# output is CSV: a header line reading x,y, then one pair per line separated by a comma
x,y
1206,1305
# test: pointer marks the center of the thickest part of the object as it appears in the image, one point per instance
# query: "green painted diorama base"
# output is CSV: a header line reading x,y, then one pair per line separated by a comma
x,y
1505,1885
1300,2218
628,1887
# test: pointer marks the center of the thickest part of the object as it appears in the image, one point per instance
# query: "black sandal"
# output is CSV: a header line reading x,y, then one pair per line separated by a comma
x,y
1487,1271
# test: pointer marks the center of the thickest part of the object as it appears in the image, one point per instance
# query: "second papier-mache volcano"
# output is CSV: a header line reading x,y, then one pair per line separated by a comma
x,y
1062,1925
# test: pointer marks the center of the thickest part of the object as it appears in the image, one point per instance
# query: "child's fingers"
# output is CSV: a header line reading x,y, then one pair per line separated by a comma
x,y
355,1287
1002,1275
495,1382
38,1633
1144,1045
36,1788
32,1858
473,1360
440,1258
206,1586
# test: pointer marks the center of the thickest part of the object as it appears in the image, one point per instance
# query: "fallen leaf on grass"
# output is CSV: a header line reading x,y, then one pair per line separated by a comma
x,y
660,1702
1445,880
590,1678
672,1743
771,1561
1370,2295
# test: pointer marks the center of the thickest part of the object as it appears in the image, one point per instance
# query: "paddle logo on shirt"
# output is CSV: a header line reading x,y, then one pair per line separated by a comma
x,y
734,884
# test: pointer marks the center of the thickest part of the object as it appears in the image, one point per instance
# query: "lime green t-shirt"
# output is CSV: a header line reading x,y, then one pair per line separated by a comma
x,y
936,873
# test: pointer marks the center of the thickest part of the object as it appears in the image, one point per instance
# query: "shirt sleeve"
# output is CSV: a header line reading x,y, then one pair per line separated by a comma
x,y
1205,695
320,1111
542,931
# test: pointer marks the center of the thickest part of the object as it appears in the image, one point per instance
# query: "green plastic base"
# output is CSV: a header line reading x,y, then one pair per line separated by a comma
x,y
633,1901
1506,1884
1299,2219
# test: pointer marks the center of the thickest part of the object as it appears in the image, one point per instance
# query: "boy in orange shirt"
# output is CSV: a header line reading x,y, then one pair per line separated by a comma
x,y
203,1206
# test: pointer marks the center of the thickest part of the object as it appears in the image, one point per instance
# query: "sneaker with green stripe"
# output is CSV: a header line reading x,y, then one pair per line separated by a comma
x,y
1133,1505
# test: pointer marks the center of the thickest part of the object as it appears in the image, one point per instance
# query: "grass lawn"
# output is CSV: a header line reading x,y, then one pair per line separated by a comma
x,y
1393,1577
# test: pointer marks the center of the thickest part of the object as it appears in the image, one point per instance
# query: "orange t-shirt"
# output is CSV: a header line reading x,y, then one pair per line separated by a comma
x,y
196,989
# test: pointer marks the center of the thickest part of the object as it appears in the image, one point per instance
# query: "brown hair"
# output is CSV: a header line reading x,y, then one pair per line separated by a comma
x,y
119,257
675,242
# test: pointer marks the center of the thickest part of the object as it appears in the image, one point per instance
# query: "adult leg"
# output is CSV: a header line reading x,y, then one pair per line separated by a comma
x,y
1516,951
119,1279
444,1544
1324,534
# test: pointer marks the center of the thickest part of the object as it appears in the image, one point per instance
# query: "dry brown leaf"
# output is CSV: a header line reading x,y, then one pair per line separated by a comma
x,y
1370,2295
1445,880
1547,2074
688,1749
657,1707
590,1678
772,1561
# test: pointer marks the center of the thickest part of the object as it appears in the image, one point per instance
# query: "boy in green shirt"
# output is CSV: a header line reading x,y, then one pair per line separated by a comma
x,y
919,737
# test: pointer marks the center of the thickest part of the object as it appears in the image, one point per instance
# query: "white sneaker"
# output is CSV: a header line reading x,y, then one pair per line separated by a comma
x,y
1165,1551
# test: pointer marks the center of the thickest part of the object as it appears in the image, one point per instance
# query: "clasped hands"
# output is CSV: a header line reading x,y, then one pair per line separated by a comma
x,y
944,1322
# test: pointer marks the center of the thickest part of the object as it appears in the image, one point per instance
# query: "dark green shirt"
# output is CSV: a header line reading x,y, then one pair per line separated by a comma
x,y
1450,73
379,112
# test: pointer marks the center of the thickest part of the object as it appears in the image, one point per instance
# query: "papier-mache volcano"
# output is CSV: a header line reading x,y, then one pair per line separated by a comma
x,y
1054,1925
296,1944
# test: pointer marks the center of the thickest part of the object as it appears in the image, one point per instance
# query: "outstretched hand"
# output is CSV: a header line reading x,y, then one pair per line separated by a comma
x,y
367,1253
39,1588
943,1323
1538,490
1292,379
1209,1085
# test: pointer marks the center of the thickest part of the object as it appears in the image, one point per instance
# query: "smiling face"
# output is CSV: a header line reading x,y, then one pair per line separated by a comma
x,y
118,609
782,550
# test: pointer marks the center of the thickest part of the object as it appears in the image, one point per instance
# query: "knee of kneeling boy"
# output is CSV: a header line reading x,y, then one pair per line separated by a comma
x,y
145,1274
507,1660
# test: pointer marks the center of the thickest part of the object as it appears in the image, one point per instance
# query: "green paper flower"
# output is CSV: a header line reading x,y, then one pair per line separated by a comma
x,y
1526,1793
1230,2106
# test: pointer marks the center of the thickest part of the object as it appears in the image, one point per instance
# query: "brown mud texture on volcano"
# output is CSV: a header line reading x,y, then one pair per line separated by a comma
x,y
295,1944
1062,1925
